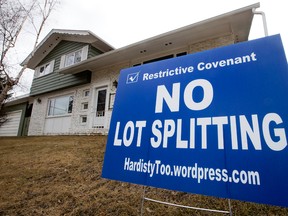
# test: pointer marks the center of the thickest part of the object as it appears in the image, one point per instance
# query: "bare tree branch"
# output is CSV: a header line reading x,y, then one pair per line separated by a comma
x,y
13,16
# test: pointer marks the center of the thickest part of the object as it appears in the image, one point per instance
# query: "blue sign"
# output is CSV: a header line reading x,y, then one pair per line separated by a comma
x,y
212,123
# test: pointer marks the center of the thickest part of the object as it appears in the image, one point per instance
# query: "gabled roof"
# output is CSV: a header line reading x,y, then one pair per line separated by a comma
x,y
56,35
237,22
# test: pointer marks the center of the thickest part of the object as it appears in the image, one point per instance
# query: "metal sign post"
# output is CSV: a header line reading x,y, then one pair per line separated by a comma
x,y
182,206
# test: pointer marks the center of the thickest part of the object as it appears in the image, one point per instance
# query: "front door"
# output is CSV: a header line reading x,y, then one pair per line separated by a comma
x,y
100,115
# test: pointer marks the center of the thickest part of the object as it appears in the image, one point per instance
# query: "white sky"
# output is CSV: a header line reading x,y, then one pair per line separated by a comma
x,y
124,22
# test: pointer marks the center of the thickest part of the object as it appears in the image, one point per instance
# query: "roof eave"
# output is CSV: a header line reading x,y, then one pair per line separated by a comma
x,y
55,36
230,20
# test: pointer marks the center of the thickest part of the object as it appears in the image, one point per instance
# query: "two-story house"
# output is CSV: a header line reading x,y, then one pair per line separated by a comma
x,y
76,72
58,97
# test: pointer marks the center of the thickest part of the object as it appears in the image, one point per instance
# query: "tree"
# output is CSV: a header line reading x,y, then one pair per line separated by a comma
x,y
14,16
3,118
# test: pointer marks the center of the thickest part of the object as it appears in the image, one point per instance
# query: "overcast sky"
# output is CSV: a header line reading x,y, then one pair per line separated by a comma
x,y
124,22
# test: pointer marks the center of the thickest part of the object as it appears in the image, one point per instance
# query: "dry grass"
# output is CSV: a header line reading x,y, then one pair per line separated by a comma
x,y
61,175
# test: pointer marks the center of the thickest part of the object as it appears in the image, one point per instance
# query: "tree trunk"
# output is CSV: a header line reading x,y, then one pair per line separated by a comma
x,y
4,93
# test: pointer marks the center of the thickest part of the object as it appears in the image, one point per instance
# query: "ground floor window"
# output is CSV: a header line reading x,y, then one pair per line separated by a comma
x,y
83,119
60,105
84,106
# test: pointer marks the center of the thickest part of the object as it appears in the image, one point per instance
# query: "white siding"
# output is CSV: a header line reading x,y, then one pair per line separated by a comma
x,y
11,127
41,124
57,125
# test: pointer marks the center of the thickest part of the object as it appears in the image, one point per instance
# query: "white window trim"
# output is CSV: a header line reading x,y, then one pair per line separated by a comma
x,y
81,119
37,70
93,105
83,106
84,91
60,115
84,56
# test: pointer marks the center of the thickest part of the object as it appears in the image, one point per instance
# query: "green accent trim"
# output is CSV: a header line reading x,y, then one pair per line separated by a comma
x,y
66,47
22,107
56,81
93,52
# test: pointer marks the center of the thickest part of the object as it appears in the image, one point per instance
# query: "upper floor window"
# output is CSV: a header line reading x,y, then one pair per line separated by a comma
x,y
161,58
60,105
44,69
74,57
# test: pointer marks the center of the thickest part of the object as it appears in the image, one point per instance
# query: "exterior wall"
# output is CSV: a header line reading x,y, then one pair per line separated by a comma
x,y
39,112
19,107
65,47
55,81
212,43
92,51
102,78
38,116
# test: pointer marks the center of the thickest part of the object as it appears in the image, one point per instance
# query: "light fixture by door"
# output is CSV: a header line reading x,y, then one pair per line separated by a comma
x,y
115,84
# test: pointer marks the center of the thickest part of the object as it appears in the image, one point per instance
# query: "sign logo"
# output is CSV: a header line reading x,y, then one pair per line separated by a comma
x,y
132,78
212,123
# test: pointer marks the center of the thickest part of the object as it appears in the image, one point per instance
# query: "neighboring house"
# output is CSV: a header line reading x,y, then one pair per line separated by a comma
x,y
18,113
76,72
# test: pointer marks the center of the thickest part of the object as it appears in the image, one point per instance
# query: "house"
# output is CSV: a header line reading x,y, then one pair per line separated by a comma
x,y
18,112
76,72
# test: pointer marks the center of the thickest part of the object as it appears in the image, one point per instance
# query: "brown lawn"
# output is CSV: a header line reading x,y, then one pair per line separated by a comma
x,y
61,175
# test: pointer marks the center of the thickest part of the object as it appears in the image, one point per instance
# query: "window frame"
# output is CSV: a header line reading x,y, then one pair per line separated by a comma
x,y
82,117
83,108
46,72
67,62
83,56
56,101
86,93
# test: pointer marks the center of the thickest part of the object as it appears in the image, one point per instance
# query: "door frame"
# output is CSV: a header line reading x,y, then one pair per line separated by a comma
x,y
94,108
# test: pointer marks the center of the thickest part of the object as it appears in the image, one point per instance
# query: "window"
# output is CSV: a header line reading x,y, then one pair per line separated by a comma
x,y
60,106
45,69
83,119
159,59
181,54
86,93
84,106
101,103
74,57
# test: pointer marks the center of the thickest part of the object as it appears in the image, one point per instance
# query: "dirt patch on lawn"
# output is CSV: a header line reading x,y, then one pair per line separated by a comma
x,y
61,175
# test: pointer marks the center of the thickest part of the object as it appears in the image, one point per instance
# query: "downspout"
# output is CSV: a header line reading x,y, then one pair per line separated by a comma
x,y
263,19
